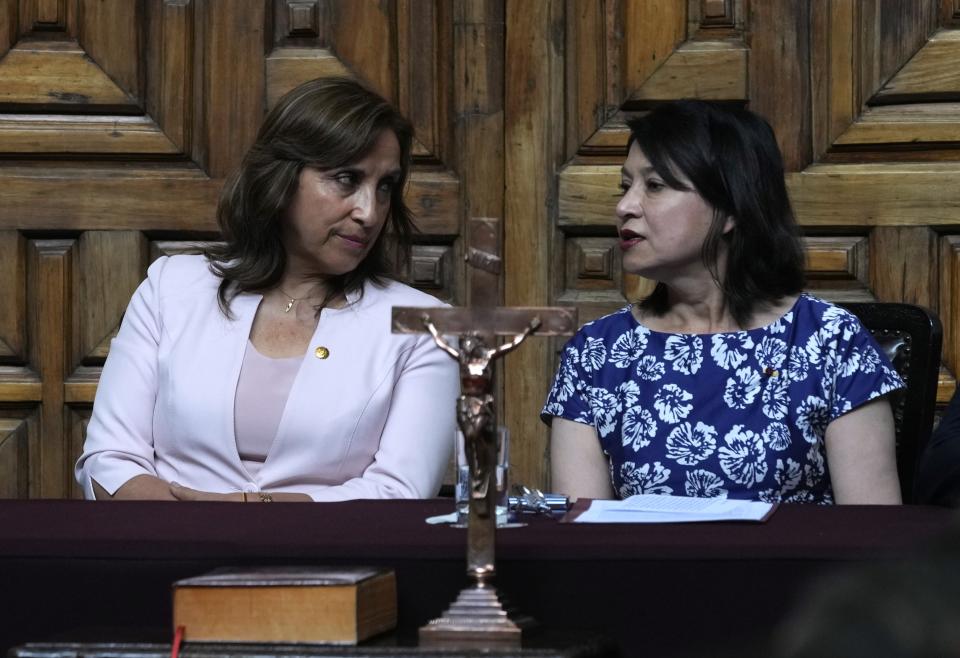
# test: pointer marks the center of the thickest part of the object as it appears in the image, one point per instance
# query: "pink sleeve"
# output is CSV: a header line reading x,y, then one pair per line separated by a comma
x,y
119,441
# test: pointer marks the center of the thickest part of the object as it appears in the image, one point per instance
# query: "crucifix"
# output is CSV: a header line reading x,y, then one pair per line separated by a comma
x,y
477,617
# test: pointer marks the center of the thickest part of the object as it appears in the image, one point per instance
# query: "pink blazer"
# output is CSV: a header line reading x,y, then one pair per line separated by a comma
x,y
375,419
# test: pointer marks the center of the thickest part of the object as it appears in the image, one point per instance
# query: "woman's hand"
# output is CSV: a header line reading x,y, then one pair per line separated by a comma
x,y
149,487
140,487
181,492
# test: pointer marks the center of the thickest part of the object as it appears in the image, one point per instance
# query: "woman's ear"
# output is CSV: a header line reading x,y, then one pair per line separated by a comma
x,y
729,224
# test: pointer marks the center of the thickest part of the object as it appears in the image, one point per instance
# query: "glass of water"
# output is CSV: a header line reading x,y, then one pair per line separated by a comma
x,y
463,477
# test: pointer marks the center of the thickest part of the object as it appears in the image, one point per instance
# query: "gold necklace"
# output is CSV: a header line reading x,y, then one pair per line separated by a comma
x,y
291,300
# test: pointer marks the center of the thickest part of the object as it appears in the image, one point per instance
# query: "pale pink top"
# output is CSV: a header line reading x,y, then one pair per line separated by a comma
x,y
262,392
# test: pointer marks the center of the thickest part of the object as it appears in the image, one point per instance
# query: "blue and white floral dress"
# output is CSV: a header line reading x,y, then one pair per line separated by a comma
x,y
739,414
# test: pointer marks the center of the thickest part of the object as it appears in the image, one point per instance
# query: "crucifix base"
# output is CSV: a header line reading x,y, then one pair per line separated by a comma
x,y
477,619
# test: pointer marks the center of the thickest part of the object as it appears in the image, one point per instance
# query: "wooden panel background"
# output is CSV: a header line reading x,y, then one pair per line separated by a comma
x,y
120,118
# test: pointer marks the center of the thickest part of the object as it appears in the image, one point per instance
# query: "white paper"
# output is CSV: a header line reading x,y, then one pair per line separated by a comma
x,y
443,518
653,508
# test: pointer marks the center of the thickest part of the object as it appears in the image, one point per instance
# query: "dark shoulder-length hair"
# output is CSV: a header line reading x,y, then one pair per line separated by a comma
x,y
731,158
324,123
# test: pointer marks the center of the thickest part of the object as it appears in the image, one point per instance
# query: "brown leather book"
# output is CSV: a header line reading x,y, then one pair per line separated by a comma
x,y
323,605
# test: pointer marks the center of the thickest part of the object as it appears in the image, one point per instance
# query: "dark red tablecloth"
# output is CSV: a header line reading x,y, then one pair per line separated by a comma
x,y
67,567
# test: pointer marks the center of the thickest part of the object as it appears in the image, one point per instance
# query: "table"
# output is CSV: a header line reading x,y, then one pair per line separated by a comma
x,y
73,569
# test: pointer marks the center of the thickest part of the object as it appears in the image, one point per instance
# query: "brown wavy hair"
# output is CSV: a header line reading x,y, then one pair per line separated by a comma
x,y
324,123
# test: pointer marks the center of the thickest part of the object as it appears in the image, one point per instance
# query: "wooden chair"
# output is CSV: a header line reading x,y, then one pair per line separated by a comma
x,y
912,337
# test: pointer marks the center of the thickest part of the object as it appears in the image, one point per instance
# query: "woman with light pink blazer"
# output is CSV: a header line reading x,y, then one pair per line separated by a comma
x,y
265,368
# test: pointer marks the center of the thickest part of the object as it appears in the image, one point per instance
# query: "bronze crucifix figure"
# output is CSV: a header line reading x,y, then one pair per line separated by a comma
x,y
477,618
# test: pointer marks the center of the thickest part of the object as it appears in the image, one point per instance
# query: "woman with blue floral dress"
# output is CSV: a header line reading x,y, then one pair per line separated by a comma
x,y
727,380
